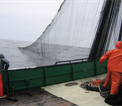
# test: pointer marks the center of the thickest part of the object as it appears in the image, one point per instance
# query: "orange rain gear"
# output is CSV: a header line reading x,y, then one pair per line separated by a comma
x,y
1,85
4,65
114,67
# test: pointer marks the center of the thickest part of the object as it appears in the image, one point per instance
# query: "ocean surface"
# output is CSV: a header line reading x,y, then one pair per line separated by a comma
x,y
27,59
9,48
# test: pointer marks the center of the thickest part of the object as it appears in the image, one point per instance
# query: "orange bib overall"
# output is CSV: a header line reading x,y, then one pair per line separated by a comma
x,y
114,67
1,85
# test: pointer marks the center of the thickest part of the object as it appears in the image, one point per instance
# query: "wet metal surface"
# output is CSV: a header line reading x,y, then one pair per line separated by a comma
x,y
39,98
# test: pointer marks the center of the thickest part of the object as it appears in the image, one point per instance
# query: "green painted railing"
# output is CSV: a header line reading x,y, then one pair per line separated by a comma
x,y
14,80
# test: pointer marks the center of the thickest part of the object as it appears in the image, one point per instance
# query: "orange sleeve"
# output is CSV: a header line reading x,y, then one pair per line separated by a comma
x,y
105,56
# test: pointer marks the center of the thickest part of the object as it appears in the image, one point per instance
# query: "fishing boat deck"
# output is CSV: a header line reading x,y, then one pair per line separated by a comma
x,y
36,98
77,95
58,95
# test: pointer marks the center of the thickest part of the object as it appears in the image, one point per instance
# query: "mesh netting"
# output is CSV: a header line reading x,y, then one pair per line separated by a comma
x,y
71,33
108,30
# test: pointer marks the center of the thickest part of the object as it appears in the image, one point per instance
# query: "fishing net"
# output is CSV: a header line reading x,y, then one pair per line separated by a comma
x,y
73,32
91,85
96,85
109,29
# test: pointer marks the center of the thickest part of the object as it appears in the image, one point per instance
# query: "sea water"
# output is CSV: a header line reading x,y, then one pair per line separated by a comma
x,y
9,48
26,59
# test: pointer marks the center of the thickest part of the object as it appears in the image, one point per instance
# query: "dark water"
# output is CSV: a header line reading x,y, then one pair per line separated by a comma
x,y
16,58
26,59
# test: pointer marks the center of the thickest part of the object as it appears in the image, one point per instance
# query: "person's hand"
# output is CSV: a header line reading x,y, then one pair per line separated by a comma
x,y
100,62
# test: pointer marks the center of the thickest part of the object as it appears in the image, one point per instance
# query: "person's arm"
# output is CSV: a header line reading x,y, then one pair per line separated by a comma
x,y
6,63
105,56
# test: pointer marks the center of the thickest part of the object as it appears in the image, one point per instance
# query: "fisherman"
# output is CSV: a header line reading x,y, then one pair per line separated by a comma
x,y
4,65
114,68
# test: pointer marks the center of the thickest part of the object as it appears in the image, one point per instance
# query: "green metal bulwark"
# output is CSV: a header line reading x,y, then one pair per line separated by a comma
x,y
100,69
72,71
14,80
58,74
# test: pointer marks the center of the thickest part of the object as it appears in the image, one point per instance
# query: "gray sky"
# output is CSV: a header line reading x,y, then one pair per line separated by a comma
x,y
25,20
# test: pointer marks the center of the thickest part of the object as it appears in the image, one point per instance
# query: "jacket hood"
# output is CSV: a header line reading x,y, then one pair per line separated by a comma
x,y
119,45
1,56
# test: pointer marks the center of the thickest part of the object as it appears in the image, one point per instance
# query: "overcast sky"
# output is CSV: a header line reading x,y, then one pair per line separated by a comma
x,y
25,20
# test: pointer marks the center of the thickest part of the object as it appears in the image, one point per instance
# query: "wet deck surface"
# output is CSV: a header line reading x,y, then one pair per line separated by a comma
x,y
38,98
59,95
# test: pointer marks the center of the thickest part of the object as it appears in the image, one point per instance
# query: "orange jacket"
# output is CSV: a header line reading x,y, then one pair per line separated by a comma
x,y
114,58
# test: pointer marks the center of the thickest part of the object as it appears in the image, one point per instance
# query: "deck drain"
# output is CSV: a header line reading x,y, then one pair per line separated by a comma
x,y
71,84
